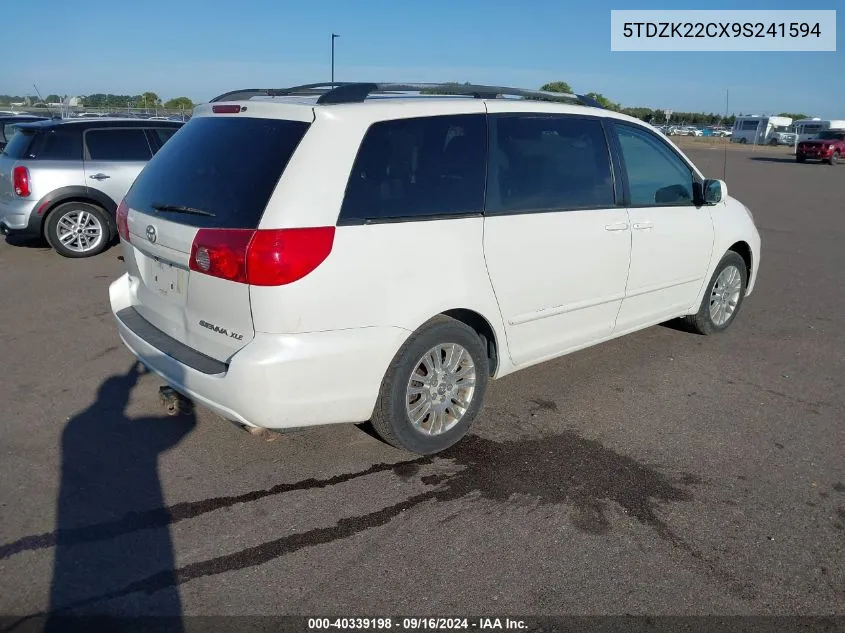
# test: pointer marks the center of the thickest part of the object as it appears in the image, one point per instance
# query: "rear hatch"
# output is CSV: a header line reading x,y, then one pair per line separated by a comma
x,y
216,174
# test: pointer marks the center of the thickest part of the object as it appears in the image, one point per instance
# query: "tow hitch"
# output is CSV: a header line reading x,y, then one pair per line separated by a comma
x,y
173,401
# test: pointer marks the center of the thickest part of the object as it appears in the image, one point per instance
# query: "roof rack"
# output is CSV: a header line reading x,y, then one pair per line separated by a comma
x,y
356,92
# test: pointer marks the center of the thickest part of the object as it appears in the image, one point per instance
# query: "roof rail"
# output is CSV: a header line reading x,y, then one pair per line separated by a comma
x,y
355,92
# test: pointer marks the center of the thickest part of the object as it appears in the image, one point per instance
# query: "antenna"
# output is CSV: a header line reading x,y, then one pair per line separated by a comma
x,y
725,162
50,112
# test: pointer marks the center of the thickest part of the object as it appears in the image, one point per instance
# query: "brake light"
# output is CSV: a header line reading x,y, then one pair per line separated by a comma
x,y
226,109
271,257
20,178
122,217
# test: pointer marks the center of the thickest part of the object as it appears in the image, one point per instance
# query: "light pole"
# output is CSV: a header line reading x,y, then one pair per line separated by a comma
x,y
334,35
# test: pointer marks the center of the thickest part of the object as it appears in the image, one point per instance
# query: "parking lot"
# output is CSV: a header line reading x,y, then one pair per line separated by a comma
x,y
660,473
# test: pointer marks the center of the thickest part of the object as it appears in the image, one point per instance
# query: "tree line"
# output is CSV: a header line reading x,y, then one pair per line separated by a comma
x,y
148,100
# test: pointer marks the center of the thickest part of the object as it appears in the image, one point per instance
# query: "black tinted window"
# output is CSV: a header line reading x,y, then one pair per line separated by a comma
x,y
656,175
62,143
116,144
18,144
418,167
228,166
161,135
548,162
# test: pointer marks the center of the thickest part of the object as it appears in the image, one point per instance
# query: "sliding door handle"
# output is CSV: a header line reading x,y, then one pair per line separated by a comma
x,y
619,226
642,226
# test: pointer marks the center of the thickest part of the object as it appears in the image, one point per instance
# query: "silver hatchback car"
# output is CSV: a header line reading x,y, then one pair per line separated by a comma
x,y
63,179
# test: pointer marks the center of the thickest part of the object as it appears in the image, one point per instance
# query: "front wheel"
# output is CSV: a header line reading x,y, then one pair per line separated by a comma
x,y
835,158
723,298
77,229
800,159
433,389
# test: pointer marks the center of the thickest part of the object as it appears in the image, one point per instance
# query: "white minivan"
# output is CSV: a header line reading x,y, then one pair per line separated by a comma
x,y
338,254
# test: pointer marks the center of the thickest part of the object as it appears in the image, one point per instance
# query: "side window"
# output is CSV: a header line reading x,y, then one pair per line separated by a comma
x,y
118,144
656,175
59,144
541,162
160,135
418,167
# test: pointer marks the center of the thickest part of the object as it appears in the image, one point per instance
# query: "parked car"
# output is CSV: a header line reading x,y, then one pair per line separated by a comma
x,y
62,179
8,125
335,258
827,147
782,138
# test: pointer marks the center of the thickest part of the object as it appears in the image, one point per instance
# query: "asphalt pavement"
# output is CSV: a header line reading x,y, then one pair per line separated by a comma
x,y
659,473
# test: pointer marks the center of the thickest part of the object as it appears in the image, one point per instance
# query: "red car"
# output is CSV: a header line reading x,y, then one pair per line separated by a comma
x,y
828,147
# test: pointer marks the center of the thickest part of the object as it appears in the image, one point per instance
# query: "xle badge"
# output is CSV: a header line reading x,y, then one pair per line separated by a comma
x,y
221,330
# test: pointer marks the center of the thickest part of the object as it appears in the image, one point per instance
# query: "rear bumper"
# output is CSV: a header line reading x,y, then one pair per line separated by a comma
x,y
18,215
279,380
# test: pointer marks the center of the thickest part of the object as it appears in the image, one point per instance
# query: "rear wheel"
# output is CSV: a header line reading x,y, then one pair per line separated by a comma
x,y
799,159
78,229
433,389
742,141
723,298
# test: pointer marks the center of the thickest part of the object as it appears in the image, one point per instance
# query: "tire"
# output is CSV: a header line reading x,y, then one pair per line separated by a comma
x,y
834,159
800,159
63,221
397,401
773,141
708,321
743,141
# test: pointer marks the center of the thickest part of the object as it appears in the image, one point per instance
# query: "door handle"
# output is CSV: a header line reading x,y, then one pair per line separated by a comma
x,y
99,176
619,226
641,226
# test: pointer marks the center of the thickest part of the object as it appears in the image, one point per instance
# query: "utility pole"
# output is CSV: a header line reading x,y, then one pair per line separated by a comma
x,y
334,36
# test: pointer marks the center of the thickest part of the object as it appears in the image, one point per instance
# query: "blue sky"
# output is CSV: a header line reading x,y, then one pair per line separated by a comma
x,y
200,48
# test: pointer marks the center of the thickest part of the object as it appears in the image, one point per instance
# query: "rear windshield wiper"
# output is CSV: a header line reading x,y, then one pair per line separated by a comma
x,y
175,208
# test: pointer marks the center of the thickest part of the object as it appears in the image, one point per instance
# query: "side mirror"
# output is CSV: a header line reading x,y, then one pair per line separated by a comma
x,y
714,191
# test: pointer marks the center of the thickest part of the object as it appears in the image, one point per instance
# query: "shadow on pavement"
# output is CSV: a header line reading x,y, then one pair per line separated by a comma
x,y
772,159
26,241
110,470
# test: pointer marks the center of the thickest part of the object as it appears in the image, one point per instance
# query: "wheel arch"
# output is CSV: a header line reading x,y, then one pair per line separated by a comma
x,y
483,328
743,249
48,203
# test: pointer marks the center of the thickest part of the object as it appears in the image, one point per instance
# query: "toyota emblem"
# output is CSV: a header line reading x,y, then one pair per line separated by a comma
x,y
151,233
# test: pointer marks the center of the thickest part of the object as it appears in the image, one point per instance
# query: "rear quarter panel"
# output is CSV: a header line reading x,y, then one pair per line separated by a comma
x,y
397,274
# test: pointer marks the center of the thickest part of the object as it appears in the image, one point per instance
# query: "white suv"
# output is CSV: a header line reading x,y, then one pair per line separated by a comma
x,y
328,254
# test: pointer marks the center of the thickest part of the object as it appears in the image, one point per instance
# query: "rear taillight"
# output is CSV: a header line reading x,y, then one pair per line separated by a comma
x,y
122,217
272,257
20,178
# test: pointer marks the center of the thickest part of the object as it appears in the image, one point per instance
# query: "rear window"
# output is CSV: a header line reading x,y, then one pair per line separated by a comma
x,y
18,144
60,143
227,166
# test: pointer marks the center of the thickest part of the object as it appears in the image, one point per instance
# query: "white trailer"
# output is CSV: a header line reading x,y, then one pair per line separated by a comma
x,y
806,129
760,130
